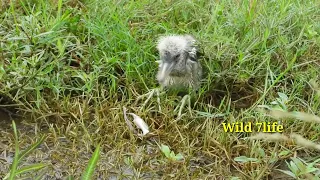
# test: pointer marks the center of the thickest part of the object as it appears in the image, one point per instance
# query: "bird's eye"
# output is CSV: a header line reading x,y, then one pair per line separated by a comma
x,y
177,56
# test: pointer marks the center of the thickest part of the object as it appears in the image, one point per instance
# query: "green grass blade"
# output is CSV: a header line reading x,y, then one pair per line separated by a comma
x,y
31,148
59,8
92,164
15,163
40,175
32,167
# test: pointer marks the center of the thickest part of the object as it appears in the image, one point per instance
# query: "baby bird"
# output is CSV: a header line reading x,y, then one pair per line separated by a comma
x,y
179,68
178,65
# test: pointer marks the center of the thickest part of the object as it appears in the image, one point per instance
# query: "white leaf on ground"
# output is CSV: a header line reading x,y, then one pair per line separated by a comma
x,y
140,123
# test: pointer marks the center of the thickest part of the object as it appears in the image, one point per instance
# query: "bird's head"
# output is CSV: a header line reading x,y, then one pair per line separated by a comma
x,y
176,52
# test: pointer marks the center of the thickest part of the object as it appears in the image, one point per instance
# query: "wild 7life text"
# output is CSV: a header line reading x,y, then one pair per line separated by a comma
x,y
266,127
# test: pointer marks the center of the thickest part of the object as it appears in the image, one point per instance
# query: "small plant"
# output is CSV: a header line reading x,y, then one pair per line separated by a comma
x,y
14,170
87,175
301,170
281,101
245,159
170,154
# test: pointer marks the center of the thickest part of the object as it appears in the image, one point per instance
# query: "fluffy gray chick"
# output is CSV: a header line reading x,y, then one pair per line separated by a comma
x,y
178,66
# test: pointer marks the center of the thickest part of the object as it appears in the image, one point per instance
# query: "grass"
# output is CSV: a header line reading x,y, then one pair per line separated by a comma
x,y
68,67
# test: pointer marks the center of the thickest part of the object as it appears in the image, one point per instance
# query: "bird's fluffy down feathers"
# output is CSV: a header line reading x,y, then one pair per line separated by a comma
x,y
188,67
177,43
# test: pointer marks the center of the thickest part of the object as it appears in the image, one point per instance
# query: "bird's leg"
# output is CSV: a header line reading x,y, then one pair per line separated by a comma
x,y
149,95
158,98
186,99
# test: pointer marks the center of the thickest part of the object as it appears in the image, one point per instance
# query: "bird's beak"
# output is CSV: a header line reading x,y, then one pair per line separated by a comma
x,y
165,67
